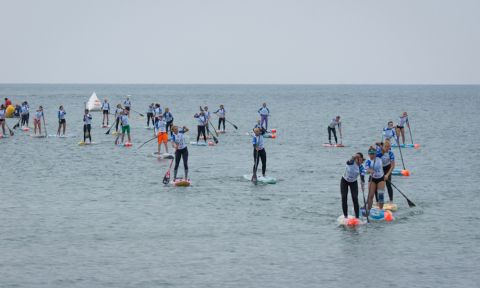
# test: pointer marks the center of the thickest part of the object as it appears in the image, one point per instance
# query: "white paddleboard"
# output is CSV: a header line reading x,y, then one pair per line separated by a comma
x,y
261,179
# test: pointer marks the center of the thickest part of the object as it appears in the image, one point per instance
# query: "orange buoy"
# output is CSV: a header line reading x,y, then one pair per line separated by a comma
x,y
416,146
274,136
405,173
274,130
353,221
388,216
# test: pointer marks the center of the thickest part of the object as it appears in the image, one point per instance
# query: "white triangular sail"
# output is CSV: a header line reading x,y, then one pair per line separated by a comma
x,y
94,104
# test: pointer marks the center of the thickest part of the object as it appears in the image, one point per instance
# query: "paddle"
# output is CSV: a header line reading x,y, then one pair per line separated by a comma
x,y
365,204
18,123
401,155
409,130
141,115
166,178
410,203
9,130
234,126
214,138
254,176
44,126
111,126
146,142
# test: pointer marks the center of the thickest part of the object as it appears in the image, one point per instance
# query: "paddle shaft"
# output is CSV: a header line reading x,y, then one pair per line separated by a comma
x,y
401,155
166,178
255,164
410,131
365,205
9,130
410,203
137,112
44,125
146,142
234,126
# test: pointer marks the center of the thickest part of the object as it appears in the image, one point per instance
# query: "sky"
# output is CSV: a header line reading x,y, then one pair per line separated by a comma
x,y
240,42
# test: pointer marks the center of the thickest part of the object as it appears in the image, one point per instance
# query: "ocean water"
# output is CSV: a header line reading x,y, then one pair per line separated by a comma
x,y
99,216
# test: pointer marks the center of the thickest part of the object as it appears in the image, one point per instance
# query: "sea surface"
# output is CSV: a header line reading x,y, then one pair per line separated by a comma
x,y
99,216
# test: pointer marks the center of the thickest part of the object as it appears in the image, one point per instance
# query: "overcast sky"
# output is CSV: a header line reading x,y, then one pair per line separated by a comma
x,y
258,41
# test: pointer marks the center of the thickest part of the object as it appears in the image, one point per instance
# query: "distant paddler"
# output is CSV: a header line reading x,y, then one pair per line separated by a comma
x,y
385,152
259,153
37,120
202,122
106,111
161,133
402,120
118,113
376,182
331,129
127,103
62,123
353,169
125,126
264,114
221,117
181,151
389,132
2,118
87,126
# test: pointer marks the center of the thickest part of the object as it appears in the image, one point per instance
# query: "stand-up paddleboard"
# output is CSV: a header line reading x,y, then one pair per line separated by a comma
x,y
149,128
333,145
181,182
126,144
378,214
198,143
25,129
104,126
82,143
400,172
163,155
38,136
388,206
221,131
350,222
261,179
211,143
62,136
270,135
4,136
416,146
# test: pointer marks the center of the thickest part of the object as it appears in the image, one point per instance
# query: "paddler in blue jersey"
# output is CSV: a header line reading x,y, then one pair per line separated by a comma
x,y
377,181
259,152
353,169
179,143
264,114
61,120
389,132
385,152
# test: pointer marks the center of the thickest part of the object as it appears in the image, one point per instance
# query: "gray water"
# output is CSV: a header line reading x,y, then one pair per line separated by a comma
x,y
99,216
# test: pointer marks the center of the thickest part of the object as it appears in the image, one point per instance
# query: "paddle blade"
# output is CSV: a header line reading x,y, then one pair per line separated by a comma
x,y
108,132
166,178
16,125
235,126
410,203
215,139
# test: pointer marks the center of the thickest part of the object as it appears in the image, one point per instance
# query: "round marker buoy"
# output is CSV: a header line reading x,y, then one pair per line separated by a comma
x,y
405,173
274,130
416,146
388,216
274,136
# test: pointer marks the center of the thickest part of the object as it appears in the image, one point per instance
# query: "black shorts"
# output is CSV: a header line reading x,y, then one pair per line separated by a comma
x,y
399,127
377,180
61,121
105,111
1,120
128,108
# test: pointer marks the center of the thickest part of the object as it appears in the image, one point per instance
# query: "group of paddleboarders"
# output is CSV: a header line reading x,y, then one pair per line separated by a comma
x,y
379,165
